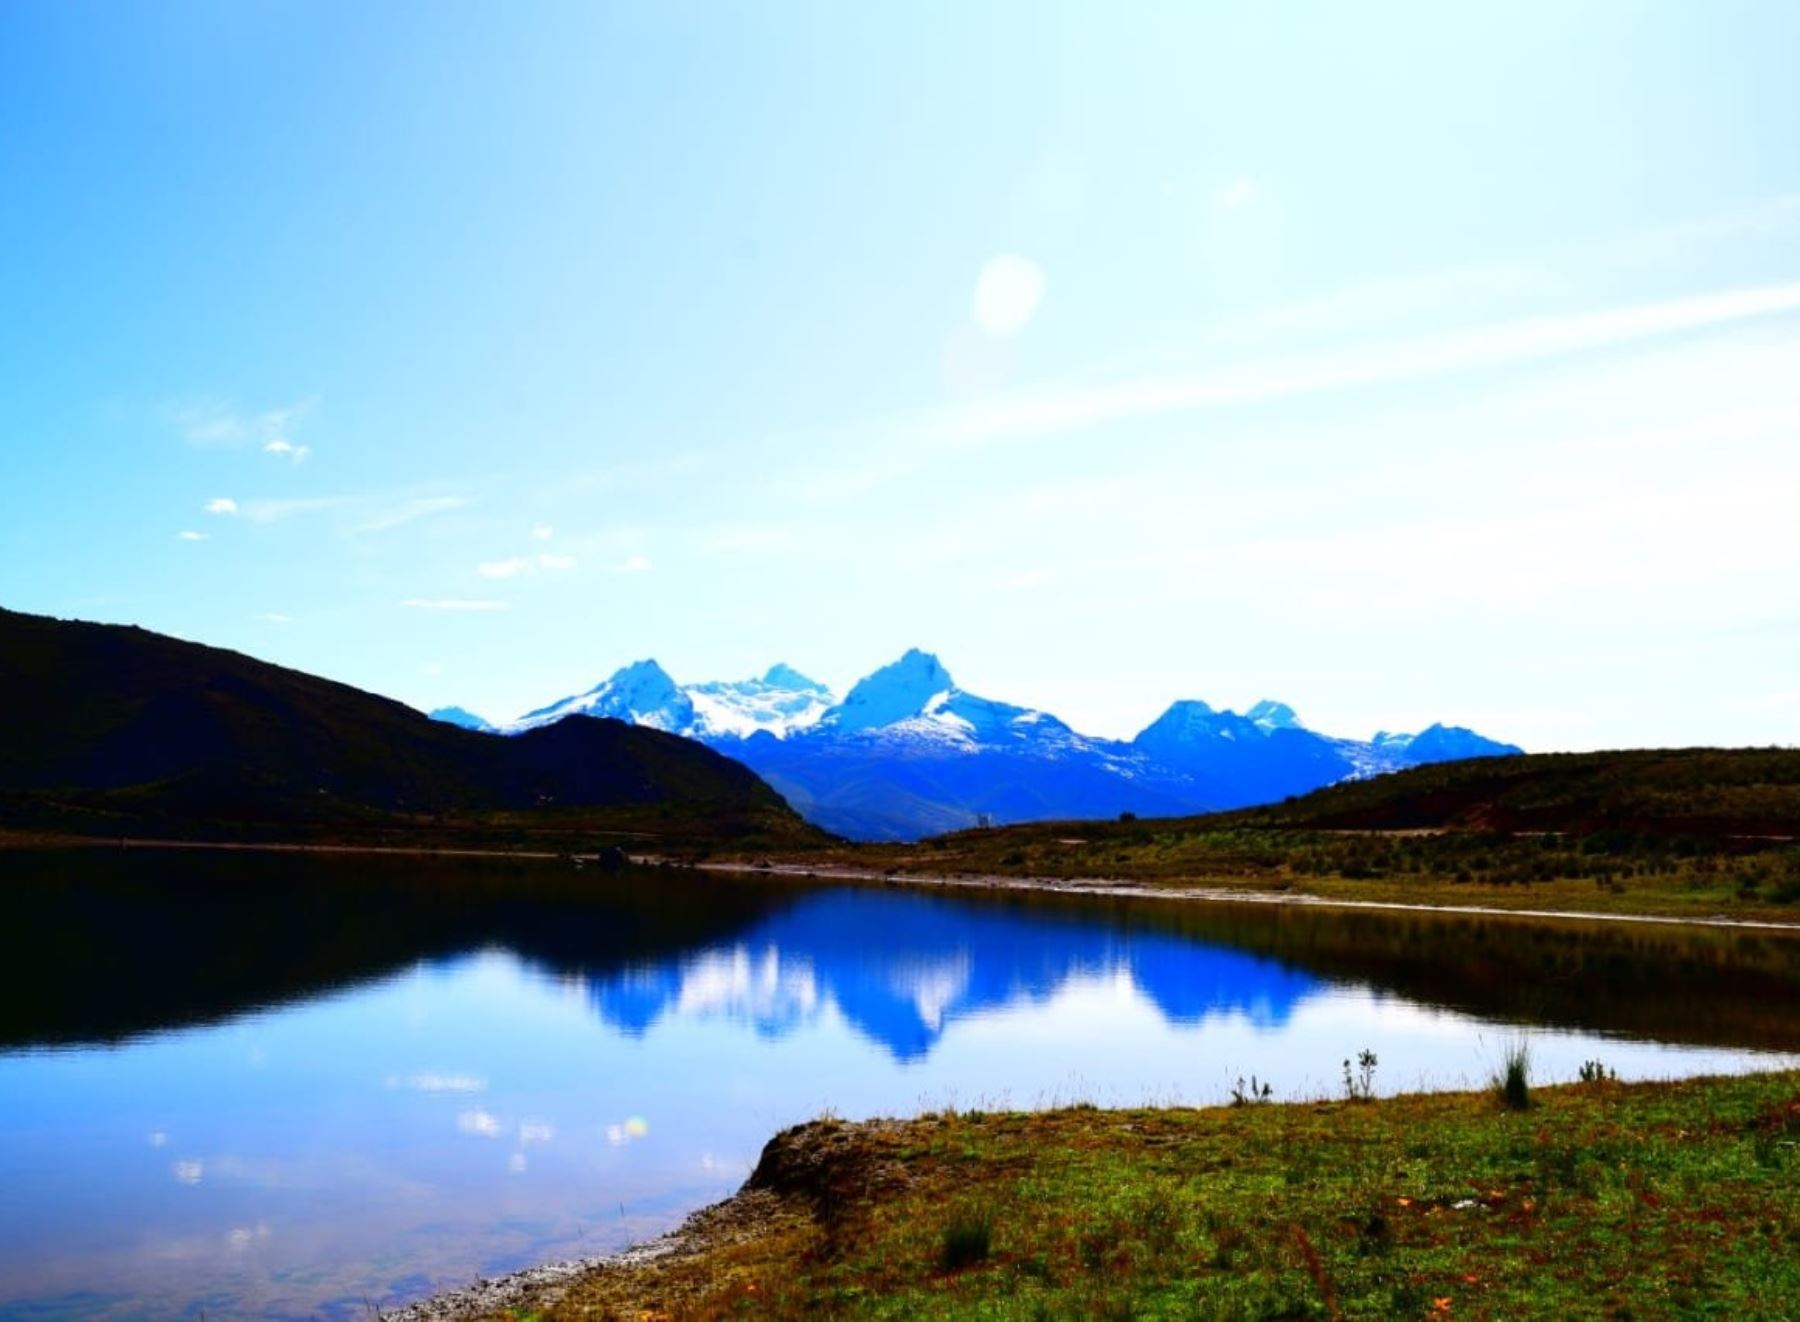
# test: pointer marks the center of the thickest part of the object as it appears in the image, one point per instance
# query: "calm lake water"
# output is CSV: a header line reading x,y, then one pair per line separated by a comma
x,y
273,1086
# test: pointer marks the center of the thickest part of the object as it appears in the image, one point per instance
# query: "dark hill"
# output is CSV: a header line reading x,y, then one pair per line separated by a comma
x,y
1654,792
116,729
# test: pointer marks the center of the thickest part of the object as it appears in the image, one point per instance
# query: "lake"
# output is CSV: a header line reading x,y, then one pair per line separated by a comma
x,y
273,1085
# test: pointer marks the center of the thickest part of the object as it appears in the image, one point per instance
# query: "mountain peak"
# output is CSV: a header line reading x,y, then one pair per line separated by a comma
x,y
783,676
1273,715
468,720
641,693
897,691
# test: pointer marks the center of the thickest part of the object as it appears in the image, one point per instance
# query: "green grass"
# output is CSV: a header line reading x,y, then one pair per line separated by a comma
x,y
1602,1200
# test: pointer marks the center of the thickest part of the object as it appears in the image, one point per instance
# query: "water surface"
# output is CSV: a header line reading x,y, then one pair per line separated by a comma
x,y
278,1086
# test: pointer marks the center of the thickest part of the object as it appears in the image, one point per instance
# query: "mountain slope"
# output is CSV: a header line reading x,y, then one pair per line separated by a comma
x,y
114,725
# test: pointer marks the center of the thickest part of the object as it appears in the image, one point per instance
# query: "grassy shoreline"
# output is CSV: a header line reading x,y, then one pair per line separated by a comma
x,y
1596,1199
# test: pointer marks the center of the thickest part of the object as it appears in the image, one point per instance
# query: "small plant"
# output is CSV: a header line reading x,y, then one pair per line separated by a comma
x,y
1597,1071
1360,1086
1512,1082
1257,1092
967,1240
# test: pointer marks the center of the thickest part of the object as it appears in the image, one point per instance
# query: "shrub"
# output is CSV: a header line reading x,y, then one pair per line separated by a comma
x,y
1257,1092
967,1240
1512,1082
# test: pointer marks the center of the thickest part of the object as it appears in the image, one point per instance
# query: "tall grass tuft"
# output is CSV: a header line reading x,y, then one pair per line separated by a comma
x,y
1512,1082
967,1240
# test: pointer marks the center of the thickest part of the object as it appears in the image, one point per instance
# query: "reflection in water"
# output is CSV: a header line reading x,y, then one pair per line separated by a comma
x,y
271,1085
901,967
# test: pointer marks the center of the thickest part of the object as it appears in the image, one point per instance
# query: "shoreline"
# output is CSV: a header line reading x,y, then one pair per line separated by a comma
x,y
1106,888
1099,887
840,1215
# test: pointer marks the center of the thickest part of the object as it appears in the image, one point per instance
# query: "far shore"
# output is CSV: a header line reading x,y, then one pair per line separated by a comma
x,y
1103,887
1116,889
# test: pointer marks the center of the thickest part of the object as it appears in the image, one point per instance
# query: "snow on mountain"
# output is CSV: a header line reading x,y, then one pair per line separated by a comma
x,y
1441,743
781,702
459,716
908,752
1273,716
915,700
641,693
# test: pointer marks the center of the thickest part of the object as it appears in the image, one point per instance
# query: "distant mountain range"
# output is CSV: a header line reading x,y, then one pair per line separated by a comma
x,y
908,753
121,731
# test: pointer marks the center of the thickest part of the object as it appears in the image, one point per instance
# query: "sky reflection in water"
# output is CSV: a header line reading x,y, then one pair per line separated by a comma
x,y
477,1110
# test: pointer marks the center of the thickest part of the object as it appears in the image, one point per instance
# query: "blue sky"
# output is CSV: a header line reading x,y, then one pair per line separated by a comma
x,y
1402,362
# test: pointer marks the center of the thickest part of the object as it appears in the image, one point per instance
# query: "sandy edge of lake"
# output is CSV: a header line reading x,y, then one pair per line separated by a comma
x,y
739,1215
1114,889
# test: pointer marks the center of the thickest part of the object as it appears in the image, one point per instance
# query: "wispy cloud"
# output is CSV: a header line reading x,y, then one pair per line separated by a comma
x,y
282,446
274,617
556,562
189,535
636,564
273,511
221,505
508,568
410,510
1411,360
542,532
208,422
454,604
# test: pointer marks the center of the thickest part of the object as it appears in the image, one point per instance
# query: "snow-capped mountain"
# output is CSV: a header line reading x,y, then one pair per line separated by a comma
x,y
458,716
914,699
780,702
909,753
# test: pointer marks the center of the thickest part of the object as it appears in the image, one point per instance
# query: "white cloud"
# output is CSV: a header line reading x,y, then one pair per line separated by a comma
x,y
188,1172
515,1164
453,604
1007,294
282,446
189,535
636,564
1238,194
478,1122
555,562
209,422
536,1132
542,532
509,568
221,505
434,1081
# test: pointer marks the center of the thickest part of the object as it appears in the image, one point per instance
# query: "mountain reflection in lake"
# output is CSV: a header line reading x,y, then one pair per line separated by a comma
x,y
276,1085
